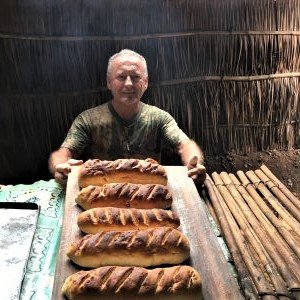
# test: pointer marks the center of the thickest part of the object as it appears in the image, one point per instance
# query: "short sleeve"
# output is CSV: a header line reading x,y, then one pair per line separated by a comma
x,y
171,132
78,137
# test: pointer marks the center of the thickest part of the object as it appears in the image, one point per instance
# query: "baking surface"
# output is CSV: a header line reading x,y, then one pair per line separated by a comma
x,y
17,230
206,255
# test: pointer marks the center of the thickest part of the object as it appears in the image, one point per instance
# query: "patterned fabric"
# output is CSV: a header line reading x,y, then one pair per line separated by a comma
x,y
38,281
100,133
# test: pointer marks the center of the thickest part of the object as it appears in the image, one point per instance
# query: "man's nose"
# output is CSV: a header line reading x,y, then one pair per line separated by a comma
x,y
128,81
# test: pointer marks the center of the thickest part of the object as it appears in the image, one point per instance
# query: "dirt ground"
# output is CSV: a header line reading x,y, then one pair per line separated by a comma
x,y
285,165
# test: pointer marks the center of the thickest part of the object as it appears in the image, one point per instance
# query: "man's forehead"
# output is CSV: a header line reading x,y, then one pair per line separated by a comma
x,y
128,68
128,61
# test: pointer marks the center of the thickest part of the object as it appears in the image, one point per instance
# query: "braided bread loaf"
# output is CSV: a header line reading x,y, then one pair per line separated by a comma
x,y
151,247
99,172
134,283
125,195
111,218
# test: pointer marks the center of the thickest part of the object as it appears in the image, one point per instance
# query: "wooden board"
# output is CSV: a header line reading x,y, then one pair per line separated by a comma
x,y
206,255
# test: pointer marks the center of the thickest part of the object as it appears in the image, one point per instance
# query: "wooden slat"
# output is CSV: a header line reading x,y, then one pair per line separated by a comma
x,y
69,233
206,255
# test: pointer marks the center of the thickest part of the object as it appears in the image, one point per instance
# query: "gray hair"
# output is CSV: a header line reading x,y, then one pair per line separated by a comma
x,y
125,52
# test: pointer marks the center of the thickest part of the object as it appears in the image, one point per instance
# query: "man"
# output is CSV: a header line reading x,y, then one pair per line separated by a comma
x,y
124,127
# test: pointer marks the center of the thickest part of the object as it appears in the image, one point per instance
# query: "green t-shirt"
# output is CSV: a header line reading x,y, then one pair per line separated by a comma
x,y
99,132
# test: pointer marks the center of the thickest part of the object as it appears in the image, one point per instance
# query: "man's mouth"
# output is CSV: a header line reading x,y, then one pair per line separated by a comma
x,y
128,93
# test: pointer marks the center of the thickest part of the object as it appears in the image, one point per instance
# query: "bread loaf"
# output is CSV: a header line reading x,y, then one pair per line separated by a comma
x,y
99,172
151,247
122,219
134,283
125,195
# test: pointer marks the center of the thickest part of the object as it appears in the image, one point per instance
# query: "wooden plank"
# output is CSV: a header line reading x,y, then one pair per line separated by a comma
x,y
69,233
206,255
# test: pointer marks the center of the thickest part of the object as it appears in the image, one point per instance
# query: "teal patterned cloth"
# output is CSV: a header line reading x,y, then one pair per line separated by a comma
x,y
49,195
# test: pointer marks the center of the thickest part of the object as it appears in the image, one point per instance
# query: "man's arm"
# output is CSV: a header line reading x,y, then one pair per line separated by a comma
x,y
60,163
192,157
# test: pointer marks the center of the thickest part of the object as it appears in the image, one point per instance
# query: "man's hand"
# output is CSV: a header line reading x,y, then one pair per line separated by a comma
x,y
62,170
195,170
192,157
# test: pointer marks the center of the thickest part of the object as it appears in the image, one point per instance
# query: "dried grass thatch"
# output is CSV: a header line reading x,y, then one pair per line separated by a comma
x,y
228,71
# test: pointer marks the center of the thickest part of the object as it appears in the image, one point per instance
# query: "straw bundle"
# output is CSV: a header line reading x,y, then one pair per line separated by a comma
x,y
259,230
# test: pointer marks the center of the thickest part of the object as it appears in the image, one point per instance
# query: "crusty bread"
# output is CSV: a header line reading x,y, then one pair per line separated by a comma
x,y
122,219
99,172
125,195
151,247
134,283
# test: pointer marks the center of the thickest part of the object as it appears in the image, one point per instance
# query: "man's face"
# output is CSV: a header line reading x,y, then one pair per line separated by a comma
x,y
127,80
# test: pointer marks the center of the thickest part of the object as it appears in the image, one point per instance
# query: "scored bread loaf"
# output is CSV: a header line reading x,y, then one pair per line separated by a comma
x,y
134,283
99,172
123,219
142,248
125,195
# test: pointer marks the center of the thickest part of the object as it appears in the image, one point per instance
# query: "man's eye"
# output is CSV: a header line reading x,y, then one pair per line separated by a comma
x,y
121,77
135,78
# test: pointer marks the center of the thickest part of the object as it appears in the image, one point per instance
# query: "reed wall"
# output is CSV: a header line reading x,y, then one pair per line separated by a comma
x,y
228,71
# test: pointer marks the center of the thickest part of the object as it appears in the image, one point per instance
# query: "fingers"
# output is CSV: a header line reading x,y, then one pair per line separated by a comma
x,y
61,173
198,173
63,168
199,169
61,178
75,162
195,170
193,160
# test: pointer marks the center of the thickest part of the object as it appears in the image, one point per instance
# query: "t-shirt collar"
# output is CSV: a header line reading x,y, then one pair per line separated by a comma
x,y
125,122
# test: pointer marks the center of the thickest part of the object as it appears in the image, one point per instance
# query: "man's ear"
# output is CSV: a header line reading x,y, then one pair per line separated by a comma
x,y
108,84
146,83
